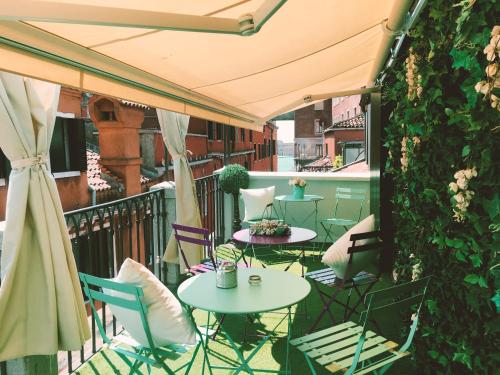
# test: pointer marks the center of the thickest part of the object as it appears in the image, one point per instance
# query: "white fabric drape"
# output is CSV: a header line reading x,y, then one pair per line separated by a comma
x,y
41,303
174,128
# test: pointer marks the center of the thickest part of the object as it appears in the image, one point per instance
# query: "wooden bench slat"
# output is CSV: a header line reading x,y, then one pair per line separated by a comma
x,y
324,332
350,332
347,354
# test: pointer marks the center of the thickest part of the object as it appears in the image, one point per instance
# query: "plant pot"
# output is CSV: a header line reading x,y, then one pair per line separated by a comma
x,y
298,192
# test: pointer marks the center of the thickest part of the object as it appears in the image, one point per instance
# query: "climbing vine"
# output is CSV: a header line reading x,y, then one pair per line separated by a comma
x,y
440,100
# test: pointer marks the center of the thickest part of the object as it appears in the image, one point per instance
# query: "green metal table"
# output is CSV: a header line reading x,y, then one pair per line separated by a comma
x,y
278,290
284,200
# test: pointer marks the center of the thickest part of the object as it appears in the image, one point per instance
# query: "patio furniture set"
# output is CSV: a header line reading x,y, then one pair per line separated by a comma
x,y
348,347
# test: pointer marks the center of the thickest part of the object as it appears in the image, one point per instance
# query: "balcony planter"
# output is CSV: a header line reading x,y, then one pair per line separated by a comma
x,y
298,192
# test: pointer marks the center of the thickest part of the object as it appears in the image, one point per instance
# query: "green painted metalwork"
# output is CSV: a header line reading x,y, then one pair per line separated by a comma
x,y
353,349
132,299
344,194
201,292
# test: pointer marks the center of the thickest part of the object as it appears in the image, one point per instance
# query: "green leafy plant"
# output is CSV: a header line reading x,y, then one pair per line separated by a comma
x,y
233,178
445,127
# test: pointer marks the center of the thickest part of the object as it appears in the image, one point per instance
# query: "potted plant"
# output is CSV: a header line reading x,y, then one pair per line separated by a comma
x,y
299,185
233,178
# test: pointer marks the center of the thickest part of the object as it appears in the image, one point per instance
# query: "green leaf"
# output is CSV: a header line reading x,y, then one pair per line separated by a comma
x,y
471,279
482,282
476,260
466,151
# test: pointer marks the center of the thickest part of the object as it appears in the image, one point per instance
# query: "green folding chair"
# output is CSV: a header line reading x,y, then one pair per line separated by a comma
x,y
343,197
354,349
126,347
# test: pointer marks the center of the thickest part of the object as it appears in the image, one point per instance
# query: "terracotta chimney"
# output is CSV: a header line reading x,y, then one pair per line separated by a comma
x,y
118,124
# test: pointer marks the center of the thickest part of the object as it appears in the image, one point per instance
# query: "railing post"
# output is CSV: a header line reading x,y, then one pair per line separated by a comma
x,y
172,274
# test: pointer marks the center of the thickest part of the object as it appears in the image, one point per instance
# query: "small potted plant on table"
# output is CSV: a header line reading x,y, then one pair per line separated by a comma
x,y
299,186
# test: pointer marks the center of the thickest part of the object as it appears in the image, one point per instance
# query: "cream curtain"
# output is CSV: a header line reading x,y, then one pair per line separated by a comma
x,y
174,128
41,304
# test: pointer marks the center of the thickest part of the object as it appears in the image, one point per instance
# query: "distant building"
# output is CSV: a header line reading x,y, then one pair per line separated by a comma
x,y
346,138
285,149
310,122
104,149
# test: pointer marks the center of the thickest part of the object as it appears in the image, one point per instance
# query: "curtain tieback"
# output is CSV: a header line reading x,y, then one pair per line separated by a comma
x,y
187,154
37,161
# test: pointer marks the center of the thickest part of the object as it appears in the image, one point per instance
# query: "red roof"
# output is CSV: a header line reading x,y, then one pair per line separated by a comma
x,y
357,122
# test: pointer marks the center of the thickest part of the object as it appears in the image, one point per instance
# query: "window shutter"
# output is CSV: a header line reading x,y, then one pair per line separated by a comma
x,y
77,145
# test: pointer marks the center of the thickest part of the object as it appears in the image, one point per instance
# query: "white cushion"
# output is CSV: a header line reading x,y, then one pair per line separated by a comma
x,y
255,201
337,257
168,322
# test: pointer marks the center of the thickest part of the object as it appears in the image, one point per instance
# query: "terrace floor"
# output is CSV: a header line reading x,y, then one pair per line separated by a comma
x,y
272,356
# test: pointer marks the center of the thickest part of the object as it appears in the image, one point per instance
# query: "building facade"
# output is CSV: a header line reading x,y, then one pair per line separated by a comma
x,y
310,122
104,149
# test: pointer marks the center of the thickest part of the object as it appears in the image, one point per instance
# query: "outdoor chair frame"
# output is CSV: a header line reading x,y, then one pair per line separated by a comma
x,y
343,194
326,278
354,349
151,355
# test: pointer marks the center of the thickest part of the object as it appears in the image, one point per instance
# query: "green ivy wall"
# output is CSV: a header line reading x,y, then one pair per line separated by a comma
x,y
448,127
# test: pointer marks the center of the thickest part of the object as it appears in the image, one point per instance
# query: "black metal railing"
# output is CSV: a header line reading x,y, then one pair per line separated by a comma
x,y
211,202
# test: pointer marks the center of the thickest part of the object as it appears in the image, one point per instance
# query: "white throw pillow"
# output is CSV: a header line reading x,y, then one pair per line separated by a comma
x,y
168,322
255,201
337,257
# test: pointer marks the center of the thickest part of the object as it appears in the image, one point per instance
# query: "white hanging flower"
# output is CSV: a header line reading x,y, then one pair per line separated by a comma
x,y
453,187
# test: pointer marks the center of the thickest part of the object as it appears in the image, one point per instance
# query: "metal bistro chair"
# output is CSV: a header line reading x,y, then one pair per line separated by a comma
x,y
342,196
191,235
208,265
326,278
124,346
354,349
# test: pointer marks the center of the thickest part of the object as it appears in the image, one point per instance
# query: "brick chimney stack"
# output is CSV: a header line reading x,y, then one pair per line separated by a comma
x,y
119,124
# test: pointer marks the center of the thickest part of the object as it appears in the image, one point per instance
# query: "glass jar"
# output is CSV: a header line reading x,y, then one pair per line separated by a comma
x,y
227,276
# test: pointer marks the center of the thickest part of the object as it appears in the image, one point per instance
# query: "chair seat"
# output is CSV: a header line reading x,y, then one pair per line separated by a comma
x,y
335,347
336,221
328,277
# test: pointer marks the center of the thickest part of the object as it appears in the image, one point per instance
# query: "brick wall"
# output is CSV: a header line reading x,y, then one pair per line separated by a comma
x,y
341,107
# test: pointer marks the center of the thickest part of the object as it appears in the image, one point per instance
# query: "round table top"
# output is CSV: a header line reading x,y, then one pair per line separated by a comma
x,y
278,289
297,235
307,198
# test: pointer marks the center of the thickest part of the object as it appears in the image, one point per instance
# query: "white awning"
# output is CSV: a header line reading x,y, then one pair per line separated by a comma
x,y
239,62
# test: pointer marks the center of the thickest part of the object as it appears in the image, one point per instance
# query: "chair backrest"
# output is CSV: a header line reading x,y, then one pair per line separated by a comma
x,y
129,297
193,235
349,194
397,298
372,242
270,212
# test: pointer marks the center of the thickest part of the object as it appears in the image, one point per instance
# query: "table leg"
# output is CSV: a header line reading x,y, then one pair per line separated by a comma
x,y
288,338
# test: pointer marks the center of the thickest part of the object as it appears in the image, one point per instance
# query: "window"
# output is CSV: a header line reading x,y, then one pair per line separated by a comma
x,y
254,151
342,116
348,115
220,129
232,133
319,150
326,149
355,110
242,135
319,106
318,126
274,147
353,151
210,130
67,150
251,135
264,149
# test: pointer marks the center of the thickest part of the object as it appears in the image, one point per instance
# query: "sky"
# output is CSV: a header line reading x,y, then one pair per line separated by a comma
x,y
285,130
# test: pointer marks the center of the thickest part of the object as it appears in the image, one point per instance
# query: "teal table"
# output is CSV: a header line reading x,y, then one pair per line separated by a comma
x,y
278,290
284,200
